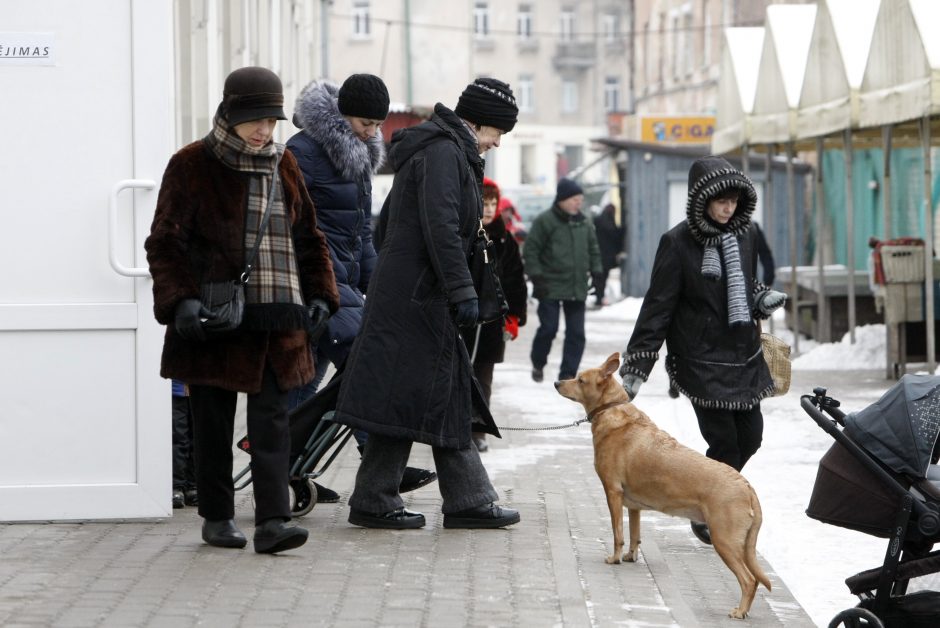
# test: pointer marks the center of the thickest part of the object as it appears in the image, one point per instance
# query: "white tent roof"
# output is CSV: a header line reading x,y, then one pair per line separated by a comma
x,y
737,86
781,73
837,57
902,79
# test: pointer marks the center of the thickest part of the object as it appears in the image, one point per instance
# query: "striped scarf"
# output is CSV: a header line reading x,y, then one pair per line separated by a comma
x,y
274,299
738,311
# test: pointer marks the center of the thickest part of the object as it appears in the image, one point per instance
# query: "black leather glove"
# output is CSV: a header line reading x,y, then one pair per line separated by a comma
x,y
188,319
467,312
319,313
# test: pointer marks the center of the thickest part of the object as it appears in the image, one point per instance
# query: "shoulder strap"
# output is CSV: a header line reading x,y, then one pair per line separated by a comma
x,y
275,181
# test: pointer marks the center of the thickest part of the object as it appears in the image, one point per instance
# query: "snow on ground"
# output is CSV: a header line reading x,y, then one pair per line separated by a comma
x,y
812,558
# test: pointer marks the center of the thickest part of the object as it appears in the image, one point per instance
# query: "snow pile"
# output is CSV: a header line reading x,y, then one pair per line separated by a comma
x,y
867,352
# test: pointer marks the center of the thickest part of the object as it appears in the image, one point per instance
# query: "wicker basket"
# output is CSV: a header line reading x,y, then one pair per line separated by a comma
x,y
777,355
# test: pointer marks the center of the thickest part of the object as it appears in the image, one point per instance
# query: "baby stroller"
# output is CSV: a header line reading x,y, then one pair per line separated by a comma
x,y
313,436
880,477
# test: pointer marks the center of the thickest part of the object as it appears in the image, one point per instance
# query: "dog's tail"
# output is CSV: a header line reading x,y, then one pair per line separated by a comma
x,y
750,545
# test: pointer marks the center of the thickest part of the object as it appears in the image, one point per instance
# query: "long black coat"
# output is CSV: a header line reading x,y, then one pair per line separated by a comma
x,y
337,169
713,364
409,374
491,349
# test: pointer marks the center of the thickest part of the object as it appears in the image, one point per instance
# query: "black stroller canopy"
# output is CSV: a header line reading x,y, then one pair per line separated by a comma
x,y
901,428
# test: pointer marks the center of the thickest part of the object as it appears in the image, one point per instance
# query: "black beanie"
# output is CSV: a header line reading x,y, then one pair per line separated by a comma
x,y
488,102
363,96
566,189
252,93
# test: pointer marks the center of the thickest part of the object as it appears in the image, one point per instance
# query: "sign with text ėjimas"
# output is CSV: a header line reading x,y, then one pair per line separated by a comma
x,y
677,129
27,48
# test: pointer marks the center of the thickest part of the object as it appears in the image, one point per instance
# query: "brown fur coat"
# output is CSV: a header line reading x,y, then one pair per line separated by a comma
x,y
197,236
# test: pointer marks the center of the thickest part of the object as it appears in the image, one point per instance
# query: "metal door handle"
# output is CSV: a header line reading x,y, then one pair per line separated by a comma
x,y
119,268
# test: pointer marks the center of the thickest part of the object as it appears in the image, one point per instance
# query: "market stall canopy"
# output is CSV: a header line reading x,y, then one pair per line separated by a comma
x,y
838,54
902,78
789,30
737,87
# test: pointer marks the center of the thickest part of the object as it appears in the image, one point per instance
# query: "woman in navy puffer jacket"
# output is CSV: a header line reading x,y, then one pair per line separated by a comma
x,y
338,149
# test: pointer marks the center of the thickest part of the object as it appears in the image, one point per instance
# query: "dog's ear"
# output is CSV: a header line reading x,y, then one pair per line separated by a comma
x,y
611,365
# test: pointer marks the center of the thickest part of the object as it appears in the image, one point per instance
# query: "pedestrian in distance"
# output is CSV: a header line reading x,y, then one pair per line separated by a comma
x,y
704,302
487,342
184,470
561,256
339,148
610,241
210,209
408,377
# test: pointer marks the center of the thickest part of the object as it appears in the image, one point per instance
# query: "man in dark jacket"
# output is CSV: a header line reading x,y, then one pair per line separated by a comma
x,y
702,301
408,377
561,255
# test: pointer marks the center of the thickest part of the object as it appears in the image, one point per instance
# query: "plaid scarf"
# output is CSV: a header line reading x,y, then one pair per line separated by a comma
x,y
274,299
738,311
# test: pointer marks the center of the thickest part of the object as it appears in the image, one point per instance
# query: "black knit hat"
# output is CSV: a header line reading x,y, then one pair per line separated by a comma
x,y
566,189
252,93
363,96
488,102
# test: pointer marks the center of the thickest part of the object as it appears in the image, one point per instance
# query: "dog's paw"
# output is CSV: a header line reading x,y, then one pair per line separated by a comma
x,y
612,560
631,557
736,613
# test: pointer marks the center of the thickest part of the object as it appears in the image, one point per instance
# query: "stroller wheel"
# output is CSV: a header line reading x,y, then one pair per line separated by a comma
x,y
303,496
856,618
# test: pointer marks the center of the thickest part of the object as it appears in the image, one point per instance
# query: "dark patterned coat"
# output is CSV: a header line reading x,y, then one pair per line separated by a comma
x,y
715,365
409,375
197,236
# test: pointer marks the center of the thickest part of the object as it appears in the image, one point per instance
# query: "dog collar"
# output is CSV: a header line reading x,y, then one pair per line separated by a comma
x,y
607,406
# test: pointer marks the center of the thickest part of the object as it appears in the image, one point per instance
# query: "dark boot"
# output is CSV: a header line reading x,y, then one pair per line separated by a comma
x,y
274,535
486,516
398,519
223,533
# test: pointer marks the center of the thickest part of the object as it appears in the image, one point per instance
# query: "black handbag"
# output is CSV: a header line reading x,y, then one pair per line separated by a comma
x,y
226,299
482,263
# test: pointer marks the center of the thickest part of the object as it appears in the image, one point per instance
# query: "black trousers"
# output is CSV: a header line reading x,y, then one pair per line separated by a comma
x,y
573,347
269,434
184,473
733,436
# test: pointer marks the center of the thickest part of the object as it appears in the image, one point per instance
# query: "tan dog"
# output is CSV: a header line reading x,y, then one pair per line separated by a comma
x,y
644,468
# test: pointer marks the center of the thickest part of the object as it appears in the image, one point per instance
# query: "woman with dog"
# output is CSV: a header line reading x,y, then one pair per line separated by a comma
x,y
408,377
704,302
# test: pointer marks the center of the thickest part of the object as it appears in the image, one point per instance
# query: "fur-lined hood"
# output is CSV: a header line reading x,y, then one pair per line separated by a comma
x,y
709,176
316,112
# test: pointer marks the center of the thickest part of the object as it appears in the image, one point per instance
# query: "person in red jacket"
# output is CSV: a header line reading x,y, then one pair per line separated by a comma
x,y
486,343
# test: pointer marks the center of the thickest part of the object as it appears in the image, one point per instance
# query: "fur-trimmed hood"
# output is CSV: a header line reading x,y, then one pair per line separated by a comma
x,y
707,177
317,114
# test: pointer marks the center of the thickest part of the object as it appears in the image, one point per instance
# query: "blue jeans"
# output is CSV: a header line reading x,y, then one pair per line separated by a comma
x,y
325,354
573,348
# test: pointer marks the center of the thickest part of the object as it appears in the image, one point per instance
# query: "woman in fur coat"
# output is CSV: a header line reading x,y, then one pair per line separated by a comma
x,y
338,150
213,197
486,343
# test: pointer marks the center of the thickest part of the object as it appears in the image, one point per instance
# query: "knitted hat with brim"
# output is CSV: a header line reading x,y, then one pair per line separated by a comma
x,y
252,93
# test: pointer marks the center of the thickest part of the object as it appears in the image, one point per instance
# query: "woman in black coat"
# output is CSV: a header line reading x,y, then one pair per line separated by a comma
x,y
487,342
408,377
703,301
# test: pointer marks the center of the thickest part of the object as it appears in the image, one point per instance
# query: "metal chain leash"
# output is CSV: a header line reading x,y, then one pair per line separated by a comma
x,y
538,429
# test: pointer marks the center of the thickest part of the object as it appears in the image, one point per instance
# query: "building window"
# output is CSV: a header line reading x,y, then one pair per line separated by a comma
x,y
481,20
687,29
610,24
569,96
566,26
612,93
360,22
525,95
524,22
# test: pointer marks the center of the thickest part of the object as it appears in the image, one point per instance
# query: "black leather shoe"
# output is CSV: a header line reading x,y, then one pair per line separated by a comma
x,y
414,478
537,375
398,519
700,530
274,535
223,533
486,516
326,495
191,497
178,499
